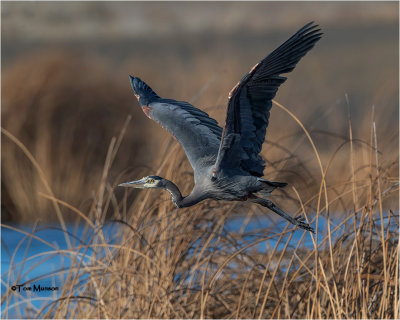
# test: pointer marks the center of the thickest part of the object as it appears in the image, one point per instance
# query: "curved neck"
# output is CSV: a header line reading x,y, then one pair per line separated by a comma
x,y
177,198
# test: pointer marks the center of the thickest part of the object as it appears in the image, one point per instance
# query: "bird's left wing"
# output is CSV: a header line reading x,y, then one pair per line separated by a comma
x,y
198,134
250,101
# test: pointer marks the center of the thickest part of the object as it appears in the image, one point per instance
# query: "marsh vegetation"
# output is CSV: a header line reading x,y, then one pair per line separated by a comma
x,y
72,131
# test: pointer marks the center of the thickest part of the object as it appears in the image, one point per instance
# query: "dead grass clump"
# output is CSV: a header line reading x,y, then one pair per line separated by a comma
x,y
64,108
161,262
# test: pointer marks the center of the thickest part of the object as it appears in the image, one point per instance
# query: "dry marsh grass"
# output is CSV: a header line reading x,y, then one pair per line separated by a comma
x,y
168,263
70,134
65,108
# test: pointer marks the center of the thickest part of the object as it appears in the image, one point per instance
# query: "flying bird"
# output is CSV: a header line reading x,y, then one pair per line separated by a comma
x,y
226,162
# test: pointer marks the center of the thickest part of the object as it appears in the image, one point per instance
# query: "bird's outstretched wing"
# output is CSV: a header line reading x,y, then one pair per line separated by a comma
x,y
199,135
250,101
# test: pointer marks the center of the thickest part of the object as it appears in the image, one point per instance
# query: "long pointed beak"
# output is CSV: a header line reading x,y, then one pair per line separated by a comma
x,y
133,184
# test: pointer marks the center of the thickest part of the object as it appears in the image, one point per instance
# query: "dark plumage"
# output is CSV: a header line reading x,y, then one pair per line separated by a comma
x,y
227,163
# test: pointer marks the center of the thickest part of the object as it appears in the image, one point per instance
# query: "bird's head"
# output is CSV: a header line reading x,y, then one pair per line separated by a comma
x,y
145,183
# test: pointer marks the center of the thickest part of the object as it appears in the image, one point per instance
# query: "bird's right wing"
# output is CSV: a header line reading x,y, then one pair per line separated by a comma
x,y
199,135
251,100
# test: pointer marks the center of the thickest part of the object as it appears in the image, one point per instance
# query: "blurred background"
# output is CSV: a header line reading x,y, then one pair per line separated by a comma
x,y
66,92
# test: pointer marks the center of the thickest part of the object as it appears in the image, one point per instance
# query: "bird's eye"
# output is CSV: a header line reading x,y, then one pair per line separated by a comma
x,y
151,180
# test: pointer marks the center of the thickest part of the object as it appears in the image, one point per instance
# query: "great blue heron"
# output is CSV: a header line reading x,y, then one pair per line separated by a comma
x,y
226,163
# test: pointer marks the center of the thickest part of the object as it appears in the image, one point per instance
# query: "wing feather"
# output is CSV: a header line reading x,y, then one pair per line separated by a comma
x,y
195,130
250,102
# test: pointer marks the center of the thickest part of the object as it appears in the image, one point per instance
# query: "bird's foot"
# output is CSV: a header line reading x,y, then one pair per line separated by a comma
x,y
301,223
298,221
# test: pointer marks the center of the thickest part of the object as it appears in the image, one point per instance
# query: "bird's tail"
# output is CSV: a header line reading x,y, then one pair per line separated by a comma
x,y
269,186
141,88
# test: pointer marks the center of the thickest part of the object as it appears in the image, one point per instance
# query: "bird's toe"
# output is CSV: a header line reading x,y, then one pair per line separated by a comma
x,y
305,226
300,221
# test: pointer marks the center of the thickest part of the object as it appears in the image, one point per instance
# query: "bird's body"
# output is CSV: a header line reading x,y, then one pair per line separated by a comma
x,y
226,162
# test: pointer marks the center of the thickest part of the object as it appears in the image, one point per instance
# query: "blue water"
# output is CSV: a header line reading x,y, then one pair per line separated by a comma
x,y
28,263
33,271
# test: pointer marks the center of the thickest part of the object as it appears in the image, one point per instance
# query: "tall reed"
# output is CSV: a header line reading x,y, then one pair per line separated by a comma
x,y
165,262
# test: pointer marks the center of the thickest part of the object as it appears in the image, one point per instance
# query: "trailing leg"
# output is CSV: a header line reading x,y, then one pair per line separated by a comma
x,y
298,221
